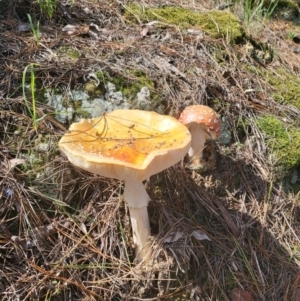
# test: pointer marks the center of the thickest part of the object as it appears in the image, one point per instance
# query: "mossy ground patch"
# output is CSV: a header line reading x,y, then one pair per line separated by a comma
x,y
283,141
217,24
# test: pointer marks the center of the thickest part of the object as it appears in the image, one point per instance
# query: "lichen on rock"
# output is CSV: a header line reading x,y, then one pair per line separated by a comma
x,y
79,104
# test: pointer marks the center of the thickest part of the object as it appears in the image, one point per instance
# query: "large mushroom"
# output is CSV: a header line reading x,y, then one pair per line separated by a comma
x,y
129,145
203,124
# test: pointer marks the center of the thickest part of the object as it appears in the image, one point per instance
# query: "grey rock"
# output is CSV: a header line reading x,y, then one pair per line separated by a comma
x,y
226,135
78,95
56,101
143,99
294,177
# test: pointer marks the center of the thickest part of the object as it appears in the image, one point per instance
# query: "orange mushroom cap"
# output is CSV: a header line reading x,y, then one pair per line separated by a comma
x,y
126,144
202,115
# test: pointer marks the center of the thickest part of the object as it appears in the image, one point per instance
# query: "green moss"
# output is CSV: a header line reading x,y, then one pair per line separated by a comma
x,y
283,142
92,89
286,87
230,280
77,104
79,111
215,23
131,85
69,52
287,9
281,4
295,253
287,4
82,113
220,54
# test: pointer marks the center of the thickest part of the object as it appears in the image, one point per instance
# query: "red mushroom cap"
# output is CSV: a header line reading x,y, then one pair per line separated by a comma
x,y
202,115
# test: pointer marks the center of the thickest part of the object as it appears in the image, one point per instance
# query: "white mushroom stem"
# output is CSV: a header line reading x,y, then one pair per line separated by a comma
x,y
137,200
199,136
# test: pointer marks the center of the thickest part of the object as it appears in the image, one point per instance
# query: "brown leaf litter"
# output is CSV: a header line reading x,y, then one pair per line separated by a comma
x,y
65,234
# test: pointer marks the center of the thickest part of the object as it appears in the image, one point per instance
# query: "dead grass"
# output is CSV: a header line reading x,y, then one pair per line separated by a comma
x,y
65,234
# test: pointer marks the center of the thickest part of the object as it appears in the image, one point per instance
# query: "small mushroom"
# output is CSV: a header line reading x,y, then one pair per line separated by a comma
x,y
203,124
129,145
